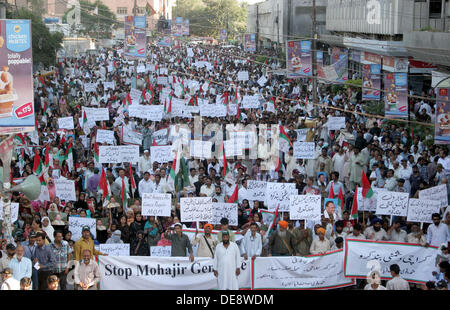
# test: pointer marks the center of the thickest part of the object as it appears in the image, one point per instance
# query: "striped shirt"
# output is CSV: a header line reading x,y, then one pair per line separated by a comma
x,y
61,254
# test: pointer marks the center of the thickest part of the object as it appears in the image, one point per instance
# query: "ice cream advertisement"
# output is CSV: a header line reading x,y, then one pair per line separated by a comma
x,y
396,95
442,126
135,36
371,82
299,58
16,77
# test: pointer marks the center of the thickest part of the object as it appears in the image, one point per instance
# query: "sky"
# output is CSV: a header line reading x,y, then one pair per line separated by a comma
x,y
250,1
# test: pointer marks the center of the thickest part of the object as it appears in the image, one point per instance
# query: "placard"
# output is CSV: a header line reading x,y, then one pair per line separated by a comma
x,y
305,207
162,80
262,81
135,94
242,76
155,204
224,210
368,204
90,87
105,136
301,134
435,193
250,102
118,154
232,148
161,251
304,150
96,114
76,225
115,249
45,195
392,203
65,189
65,122
131,136
420,210
201,149
109,85
163,71
14,211
336,123
195,209
279,193
161,154
150,112
256,190
161,136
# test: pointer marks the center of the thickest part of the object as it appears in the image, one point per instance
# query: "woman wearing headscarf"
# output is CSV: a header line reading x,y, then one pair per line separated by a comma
x,y
102,232
139,246
48,228
115,237
137,225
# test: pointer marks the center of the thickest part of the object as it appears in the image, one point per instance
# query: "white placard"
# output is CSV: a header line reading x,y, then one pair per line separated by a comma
x,y
305,207
279,193
118,154
131,136
65,122
304,150
76,225
154,204
250,102
162,80
149,112
392,203
243,76
110,85
115,249
336,123
256,190
435,193
45,195
161,154
105,136
233,148
416,262
245,138
368,204
140,68
90,87
96,114
190,52
201,149
161,251
14,211
161,136
420,210
213,110
195,209
135,94
301,134
224,210
262,81
65,189
163,71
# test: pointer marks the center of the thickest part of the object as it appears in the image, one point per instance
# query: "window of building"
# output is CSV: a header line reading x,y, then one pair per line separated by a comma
x,y
122,11
435,8
140,10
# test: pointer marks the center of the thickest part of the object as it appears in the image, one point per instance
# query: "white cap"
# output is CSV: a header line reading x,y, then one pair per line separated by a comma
x,y
146,151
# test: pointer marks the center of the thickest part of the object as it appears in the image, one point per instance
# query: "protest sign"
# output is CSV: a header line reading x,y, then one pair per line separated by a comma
x,y
421,210
224,210
435,193
336,123
162,80
65,122
90,87
256,190
161,136
201,149
109,85
140,68
115,249
245,138
135,94
305,207
189,51
232,148
14,211
310,272
242,76
45,195
262,81
368,204
118,154
163,71
158,273
196,209
304,150
301,134
279,193
250,102
162,154
155,204
161,251
65,189
415,261
105,136
392,203
76,225
96,114
131,136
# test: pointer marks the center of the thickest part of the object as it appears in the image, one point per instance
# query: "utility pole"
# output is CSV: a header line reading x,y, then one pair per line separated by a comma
x,y
257,27
227,25
2,9
278,29
135,61
314,52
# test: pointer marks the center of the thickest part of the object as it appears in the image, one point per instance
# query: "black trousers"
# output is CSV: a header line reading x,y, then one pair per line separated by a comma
x,y
62,280
42,278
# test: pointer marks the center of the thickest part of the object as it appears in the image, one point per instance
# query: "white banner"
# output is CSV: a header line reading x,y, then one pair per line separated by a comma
x,y
305,207
76,225
162,273
118,154
65,189
149,112
163,71
250,102
161,251
311,272
420,210
392,203
140,68
256,190
110,85
194,209
362,256
105,136
224,210
201,149
336,123
155,204
88,87
115,249
162,80
304,150
161,136
368,204
242,76
131,136
435,193
213,110
65,122
96,114
135,94
279,193
161,154
233,148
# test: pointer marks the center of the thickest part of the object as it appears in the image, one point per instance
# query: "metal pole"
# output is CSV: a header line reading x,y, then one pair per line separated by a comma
x,y
3,9
257,27
135,61
278,29
314,53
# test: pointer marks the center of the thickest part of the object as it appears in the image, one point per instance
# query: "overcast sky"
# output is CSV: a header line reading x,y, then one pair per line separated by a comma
x,y
251,1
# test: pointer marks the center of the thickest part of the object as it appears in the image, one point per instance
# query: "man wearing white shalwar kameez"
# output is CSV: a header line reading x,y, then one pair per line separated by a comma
x,y
227,260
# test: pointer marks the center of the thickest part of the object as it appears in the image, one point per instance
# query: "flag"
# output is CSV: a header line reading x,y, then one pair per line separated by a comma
x,y
175,168
367,191
150,10
169,110
274,102
19,139
225,97
104,185
154,142
234,197
124,195
226,170
283,135
238,114
182,177
132,182
331,194
37,164
272,226
354,213
279,166
69,156
341,199
96,151
85,128
47,158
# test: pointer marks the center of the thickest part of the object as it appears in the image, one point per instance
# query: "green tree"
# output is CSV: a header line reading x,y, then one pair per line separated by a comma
x,y
207,17
37,7
94,25
45,44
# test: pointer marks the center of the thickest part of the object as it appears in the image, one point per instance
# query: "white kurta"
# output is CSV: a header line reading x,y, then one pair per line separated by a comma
x,y
226,261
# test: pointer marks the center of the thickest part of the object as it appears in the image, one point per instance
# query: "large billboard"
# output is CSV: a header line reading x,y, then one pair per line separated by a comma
x,y
16,77
396,95
185,27
250,42
442,126
371,82
223,35
135,36
299,62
